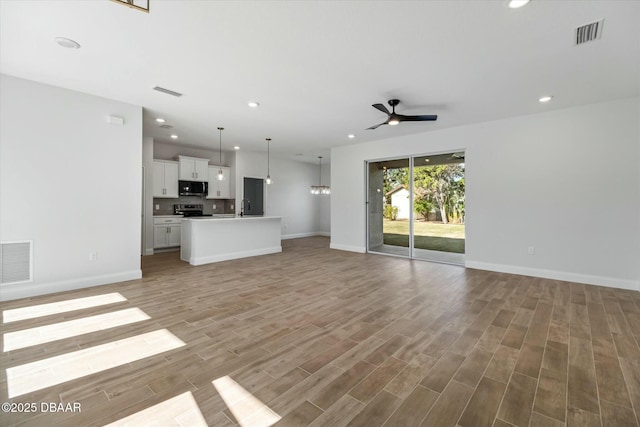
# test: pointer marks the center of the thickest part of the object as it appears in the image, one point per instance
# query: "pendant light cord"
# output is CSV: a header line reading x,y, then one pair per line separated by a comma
x,y
268,151
320,171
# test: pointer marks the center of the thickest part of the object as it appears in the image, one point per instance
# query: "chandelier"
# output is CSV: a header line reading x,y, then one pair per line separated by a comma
x,y
320,189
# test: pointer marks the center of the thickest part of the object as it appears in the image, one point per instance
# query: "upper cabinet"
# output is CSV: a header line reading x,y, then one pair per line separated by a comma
x,y
219,189
193,169
165,179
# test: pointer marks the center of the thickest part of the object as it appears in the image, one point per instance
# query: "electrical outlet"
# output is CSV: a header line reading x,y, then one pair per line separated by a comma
x,y
231,207
157,207
93,256
531,250
214,206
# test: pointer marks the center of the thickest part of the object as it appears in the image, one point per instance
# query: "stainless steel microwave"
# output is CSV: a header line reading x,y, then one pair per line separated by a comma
x,y
193,188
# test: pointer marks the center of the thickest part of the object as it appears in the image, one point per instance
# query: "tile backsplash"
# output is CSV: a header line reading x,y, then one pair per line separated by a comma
x,y
223,206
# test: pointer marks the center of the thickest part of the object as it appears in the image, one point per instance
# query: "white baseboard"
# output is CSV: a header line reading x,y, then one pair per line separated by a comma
x,y
610,282
299,235
25,290
233,255
359,249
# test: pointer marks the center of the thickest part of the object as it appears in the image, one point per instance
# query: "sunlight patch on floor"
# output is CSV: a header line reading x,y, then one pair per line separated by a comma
x,y
34,311
181,410
248,411
66,367
57,331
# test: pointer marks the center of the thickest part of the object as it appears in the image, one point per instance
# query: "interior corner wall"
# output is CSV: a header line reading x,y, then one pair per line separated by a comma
x,y
147,161
565,182
287,196
71,183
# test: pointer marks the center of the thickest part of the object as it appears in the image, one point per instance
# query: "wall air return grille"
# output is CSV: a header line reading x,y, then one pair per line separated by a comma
x,y
589,32
15,262
167,91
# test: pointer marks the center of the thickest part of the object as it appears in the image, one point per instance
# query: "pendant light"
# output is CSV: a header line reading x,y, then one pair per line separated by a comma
x,y
220,174
320,189
268,176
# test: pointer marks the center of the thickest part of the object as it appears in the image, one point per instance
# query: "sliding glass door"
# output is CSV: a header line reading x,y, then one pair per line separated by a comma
x,y
415,207
389,207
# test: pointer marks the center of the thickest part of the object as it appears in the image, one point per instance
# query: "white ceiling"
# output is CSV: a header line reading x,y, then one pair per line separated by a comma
x,y
317,66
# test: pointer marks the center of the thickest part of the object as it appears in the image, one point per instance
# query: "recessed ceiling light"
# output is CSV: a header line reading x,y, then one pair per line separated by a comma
x,y
159,120
235,147
68,43
351,136
174,136
545,98
515,4
253,104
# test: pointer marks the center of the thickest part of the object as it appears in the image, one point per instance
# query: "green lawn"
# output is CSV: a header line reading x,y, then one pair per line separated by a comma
x,y
427,235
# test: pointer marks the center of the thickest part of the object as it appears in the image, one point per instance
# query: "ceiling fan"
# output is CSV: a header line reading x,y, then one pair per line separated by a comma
x,y
393,118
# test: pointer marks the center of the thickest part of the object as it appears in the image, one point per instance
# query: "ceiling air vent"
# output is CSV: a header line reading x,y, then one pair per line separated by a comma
x,y
167,91
588,32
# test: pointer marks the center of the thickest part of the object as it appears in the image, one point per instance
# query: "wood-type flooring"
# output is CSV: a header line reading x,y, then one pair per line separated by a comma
x,y
331,338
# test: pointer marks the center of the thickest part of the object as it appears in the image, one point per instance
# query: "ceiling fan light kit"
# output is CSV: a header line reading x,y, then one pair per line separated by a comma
x,y
394,119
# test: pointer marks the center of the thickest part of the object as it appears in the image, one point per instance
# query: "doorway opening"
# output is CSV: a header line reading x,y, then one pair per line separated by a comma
x,y
416,207
253,199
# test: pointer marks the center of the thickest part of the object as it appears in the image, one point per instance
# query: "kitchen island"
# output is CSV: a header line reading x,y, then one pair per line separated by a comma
x,y
204,240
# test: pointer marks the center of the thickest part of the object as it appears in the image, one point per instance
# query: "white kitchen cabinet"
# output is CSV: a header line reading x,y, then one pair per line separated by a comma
x,y
193,169
166,232
219,189
173,236
165,179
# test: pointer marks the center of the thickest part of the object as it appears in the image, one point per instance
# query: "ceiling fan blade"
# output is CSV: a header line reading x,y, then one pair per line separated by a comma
x,y
425,118
376,126
381,108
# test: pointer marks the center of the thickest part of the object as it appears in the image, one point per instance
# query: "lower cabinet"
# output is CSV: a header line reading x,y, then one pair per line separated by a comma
x,y
166,232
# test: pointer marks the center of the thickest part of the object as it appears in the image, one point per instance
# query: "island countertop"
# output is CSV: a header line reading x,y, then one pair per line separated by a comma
x,y
204,240
229,217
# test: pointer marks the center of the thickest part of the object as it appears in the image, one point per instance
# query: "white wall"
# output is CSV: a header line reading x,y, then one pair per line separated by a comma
x,y
566,182
288,196
70,182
